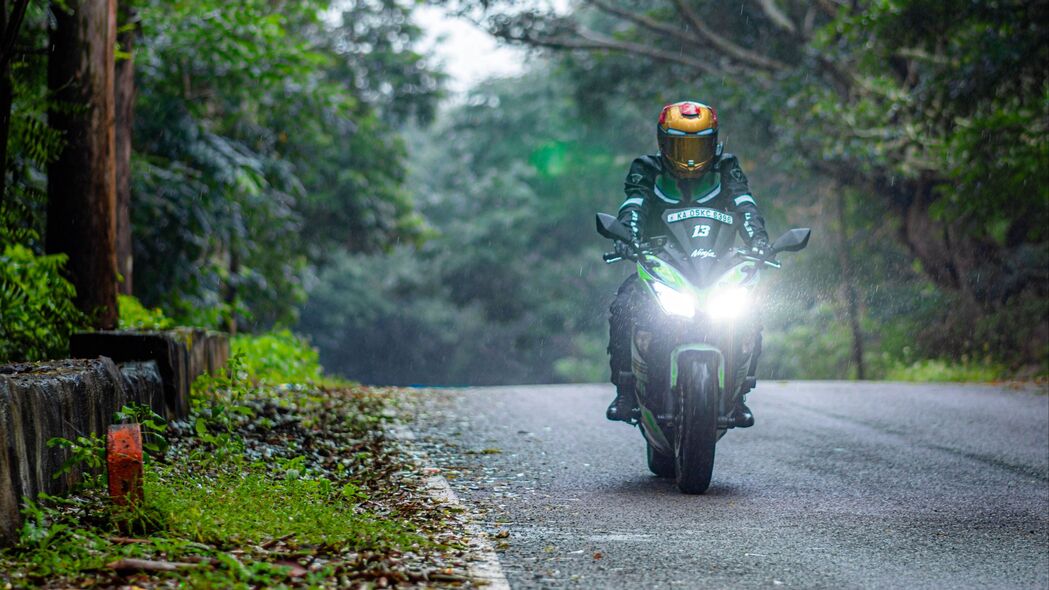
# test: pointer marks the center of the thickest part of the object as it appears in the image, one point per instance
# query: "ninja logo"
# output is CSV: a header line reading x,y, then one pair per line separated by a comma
x,y
737,174
635,178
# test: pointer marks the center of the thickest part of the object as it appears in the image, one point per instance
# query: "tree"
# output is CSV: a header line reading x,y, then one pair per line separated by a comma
x,y
510,287
124,91
10,24
265,141
81,183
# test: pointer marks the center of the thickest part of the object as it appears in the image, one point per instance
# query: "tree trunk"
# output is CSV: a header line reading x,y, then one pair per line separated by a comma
x,y
9,27
5,126
81,182
848,286
231,291
5,107
125,109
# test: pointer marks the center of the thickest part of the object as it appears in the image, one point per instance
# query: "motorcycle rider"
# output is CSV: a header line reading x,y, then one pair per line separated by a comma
x,y
690,168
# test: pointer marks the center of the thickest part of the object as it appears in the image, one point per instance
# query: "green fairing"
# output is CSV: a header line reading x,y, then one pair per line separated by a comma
x,y
672,277
736,274
652,427
664,273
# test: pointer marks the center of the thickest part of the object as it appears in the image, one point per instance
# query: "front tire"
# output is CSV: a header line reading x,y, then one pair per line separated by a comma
x,y
697,430
658,463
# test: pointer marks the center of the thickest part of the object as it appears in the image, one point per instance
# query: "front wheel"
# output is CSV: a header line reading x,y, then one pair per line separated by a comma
x,y
658,463
697,429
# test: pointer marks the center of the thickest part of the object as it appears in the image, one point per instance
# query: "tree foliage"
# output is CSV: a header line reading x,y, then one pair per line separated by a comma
x,y
261,146
37,314
266,139
936,109
509,285
934,112
823,103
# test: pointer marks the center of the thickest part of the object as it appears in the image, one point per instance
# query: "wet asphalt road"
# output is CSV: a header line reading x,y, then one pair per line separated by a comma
x,y
839,485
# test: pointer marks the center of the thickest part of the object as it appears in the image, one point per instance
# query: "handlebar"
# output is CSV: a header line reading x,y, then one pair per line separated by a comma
x,y
766,261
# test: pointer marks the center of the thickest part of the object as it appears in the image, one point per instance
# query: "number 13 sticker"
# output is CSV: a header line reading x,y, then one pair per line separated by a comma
x,y
701,231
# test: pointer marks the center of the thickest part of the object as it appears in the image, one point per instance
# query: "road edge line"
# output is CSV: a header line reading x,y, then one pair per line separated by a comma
x,y
486,569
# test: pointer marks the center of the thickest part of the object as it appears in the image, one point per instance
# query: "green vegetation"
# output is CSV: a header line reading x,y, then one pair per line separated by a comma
x,y
290,167
261,146
938,370
266,139
135,316
277,357
37,314
263,486
914,145
511,289
251,506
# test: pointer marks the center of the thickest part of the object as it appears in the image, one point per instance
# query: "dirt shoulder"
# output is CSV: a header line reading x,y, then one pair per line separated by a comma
x,y
262,487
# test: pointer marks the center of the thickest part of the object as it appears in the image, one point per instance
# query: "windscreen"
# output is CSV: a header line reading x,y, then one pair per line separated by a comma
x,y
702,235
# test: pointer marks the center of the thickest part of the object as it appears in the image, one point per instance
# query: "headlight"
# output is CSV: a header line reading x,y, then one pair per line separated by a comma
x,y
727,303
674,302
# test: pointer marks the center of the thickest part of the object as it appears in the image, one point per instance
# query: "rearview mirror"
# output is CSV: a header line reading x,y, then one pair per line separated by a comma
x,y
792,241
611,228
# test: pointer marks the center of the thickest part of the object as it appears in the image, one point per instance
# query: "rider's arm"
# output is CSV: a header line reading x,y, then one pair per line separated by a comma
x,y
638,185
742,201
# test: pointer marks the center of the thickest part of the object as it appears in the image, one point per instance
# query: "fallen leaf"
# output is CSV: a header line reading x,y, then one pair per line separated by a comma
x,y
272,542
129,541
147,565
294,569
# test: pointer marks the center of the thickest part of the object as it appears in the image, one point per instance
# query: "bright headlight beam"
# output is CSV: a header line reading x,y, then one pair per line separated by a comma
x,y
727,303
674,302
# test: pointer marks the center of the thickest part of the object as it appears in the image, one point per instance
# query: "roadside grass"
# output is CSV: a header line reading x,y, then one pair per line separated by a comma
x,y
249,506
264,486
942,371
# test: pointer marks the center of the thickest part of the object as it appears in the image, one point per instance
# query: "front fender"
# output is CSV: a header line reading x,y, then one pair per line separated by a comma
x,y
698,348
709,352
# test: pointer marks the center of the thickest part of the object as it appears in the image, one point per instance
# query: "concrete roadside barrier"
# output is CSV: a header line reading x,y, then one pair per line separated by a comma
x,y
78,397
181,355
65,398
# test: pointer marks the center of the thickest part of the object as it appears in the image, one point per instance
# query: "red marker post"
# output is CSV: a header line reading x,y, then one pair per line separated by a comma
x,y
124,463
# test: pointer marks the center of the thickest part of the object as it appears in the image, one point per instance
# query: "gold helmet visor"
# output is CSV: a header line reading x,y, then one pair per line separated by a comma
x,y
689,154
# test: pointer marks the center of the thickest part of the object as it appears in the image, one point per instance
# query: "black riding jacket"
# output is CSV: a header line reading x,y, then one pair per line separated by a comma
x,y
650,191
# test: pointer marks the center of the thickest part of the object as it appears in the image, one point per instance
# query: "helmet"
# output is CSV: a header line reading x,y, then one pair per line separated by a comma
x,y
688,138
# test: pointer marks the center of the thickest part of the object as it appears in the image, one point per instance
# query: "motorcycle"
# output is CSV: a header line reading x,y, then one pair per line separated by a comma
x,y
696,337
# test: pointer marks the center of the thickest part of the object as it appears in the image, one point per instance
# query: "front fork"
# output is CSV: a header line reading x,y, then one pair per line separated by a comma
x,y
750,381
742,351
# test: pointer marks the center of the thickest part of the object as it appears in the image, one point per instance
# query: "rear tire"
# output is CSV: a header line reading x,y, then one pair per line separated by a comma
x,y
697,432
658,463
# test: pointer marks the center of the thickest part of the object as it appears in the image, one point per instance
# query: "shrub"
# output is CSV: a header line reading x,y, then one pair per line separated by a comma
x,y
278,357
939,370
135,316
37,314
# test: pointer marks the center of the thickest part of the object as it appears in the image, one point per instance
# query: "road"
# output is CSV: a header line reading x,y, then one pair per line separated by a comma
x,y
838,485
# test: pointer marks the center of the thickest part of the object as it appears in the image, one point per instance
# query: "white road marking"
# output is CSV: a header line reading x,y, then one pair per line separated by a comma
x,y
486,568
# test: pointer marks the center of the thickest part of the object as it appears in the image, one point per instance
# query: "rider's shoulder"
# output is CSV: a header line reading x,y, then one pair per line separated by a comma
x,y
648,164
643,173
728,161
